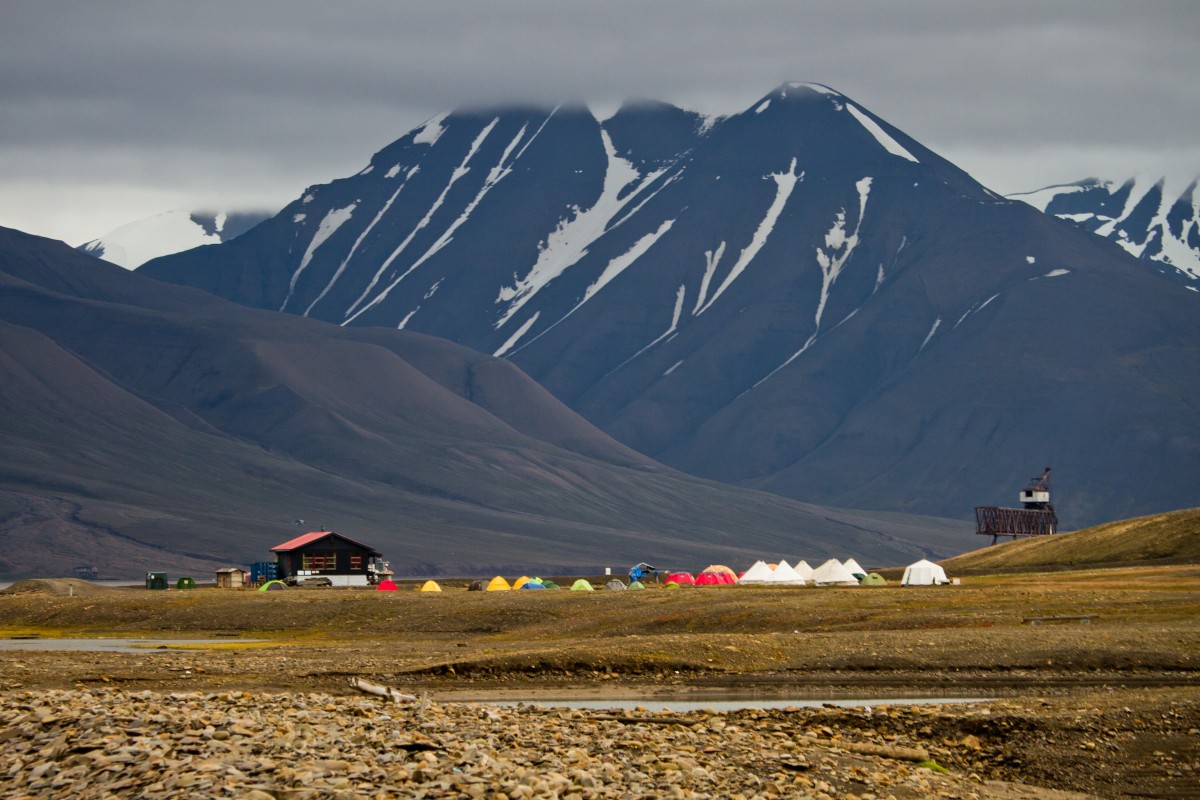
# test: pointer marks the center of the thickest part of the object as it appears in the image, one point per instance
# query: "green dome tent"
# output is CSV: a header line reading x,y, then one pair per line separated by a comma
x,y
581,586
635,585
873,579
271,586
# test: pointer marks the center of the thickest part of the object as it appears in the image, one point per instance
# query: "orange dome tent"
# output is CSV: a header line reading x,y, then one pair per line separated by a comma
x,y
723,573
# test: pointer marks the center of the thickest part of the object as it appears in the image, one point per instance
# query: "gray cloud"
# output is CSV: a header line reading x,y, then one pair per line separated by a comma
x,y
242,104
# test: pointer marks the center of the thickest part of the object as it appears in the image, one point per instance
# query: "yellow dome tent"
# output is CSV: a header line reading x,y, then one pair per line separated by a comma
x,y
430,586
498,584
521,581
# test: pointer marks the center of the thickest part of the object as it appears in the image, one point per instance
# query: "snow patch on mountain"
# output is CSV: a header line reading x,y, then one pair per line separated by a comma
x,y
354,249
680,295
570,240
497,173
625,260
333,220
516,337
431,131
458,174
711,259
785,182
831,264
936,324
881,136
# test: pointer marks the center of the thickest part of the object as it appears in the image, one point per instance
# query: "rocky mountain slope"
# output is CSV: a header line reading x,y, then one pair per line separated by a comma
x,y
148,426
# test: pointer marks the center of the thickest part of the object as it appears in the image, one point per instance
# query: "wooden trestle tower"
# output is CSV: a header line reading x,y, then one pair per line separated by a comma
x,y
1035,518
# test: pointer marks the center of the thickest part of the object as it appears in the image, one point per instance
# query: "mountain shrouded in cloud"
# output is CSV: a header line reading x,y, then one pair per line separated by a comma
x,y
135,243
799,298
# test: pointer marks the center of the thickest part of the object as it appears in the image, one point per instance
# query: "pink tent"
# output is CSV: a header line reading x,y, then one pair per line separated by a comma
x,y
386,586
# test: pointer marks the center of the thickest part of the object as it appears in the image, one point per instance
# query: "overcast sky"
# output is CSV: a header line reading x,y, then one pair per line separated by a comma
x,y
115,111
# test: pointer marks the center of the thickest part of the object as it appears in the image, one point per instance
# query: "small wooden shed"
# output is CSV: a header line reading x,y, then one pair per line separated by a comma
x,y
231,578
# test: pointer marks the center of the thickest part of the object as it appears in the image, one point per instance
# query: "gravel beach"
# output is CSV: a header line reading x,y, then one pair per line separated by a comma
x,y
84,744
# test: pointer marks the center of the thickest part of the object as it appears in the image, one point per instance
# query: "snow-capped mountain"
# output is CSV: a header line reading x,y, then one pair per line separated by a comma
x,y
1147,218
800,297
134,244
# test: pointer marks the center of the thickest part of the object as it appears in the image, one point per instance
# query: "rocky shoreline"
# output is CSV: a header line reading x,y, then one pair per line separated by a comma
x,y
263,709
84,744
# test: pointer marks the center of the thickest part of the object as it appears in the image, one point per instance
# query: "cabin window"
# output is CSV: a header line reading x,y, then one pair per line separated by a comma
x,y
355,563
319,562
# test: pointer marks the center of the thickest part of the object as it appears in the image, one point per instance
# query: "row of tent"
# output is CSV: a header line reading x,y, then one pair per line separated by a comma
x,y
498,584
830,573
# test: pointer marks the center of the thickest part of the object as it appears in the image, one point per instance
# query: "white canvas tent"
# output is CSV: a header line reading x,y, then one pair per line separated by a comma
x,y
924,573
833,573
784,574
853,568
759,573
804,570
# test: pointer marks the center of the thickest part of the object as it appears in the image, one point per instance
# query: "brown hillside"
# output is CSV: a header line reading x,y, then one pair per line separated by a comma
x,y
1169,538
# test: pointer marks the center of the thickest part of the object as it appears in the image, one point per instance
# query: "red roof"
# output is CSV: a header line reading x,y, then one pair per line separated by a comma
x,y
308,538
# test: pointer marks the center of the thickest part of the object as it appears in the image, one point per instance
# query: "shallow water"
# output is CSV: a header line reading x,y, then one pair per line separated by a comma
x,y
734,703
115,645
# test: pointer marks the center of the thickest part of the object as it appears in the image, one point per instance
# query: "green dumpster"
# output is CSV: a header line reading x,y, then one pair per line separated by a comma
x,y
156,580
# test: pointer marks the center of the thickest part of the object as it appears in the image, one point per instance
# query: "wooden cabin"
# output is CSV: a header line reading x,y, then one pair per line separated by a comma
x,y
326,554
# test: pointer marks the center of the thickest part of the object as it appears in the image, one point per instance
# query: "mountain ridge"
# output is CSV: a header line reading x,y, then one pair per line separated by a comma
x,y
784,299
1147,219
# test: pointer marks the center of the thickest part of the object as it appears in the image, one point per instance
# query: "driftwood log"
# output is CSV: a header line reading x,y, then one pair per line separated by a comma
x,y
395,695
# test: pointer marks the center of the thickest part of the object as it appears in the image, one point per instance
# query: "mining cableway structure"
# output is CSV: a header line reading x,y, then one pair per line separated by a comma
x,y
1035,518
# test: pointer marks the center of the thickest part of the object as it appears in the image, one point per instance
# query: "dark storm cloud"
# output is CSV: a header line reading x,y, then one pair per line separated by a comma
x,y
199,97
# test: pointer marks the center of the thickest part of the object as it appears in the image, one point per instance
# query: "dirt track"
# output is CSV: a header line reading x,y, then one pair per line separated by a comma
x,y
1123,691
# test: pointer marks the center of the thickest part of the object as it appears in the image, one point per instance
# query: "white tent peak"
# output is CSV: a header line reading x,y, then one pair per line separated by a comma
x,y
833,572
924,573
759,572
783,573
853,568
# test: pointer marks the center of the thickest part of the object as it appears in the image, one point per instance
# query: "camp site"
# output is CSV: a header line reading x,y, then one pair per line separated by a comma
x,y
1030,662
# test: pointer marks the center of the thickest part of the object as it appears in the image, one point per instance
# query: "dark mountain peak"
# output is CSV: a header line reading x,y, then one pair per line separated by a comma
x,y
799,297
